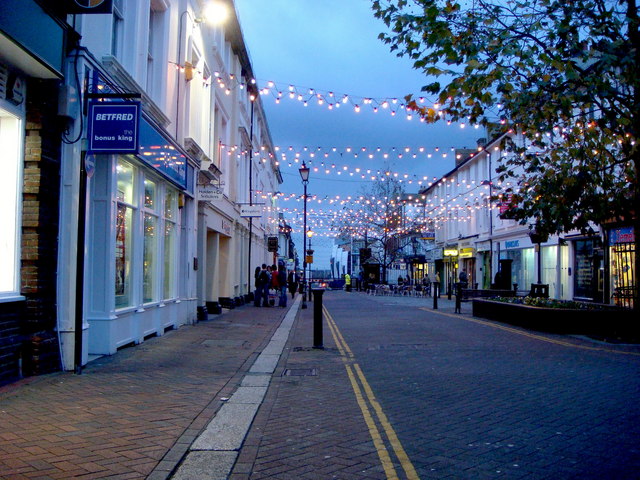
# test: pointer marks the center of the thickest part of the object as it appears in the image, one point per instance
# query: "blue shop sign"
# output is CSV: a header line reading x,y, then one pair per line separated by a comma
x,y
159,152
114,127
621,235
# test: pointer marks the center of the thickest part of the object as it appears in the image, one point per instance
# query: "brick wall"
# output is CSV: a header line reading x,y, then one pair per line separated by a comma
x,y
27,326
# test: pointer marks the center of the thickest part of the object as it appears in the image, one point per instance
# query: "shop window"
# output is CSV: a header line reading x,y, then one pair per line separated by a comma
x,y
124,233
549,263
170,242
10,181
117,28
622,260
588,273
150,247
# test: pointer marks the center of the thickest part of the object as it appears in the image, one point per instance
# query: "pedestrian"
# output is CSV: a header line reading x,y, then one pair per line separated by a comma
x,y
347,282
426,284
464,279
265,280
282,285
258,291
400,280
292,282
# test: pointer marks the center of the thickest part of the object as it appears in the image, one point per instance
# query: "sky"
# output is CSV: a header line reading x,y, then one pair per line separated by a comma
x,y
333,46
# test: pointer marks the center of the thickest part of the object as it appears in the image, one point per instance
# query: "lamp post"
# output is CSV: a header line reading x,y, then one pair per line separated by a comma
x,y
252,99
538,238
304,175
309,258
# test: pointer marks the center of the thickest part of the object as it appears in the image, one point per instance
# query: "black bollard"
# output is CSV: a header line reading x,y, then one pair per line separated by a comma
x,y
436,293
458,298
317,318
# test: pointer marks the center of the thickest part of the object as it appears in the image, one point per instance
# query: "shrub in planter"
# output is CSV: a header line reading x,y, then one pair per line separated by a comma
x,y
560,316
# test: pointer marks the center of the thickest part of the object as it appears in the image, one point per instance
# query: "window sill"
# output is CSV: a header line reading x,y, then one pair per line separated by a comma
x,y
12,298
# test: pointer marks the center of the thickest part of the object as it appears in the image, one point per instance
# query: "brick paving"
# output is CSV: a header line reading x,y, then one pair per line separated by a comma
x,y
134,414
466,399
309,426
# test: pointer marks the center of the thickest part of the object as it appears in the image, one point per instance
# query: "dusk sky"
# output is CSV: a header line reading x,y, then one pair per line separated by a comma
x,y
332,46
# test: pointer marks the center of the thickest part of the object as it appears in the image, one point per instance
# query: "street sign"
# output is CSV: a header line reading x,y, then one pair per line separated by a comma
x,y
250,210
209,193
272,244
114,127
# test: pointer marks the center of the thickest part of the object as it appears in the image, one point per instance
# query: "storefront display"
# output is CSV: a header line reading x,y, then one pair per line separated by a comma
x,y
11,138
621,261
588,270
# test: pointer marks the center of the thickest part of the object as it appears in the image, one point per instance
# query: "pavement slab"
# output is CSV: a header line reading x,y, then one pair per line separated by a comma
x,y
133,414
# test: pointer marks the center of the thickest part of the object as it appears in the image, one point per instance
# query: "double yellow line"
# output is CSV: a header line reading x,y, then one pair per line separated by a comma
x,y
368,404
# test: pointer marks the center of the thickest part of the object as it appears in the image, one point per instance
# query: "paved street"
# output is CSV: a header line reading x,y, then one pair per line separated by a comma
x,y
466,399
400,391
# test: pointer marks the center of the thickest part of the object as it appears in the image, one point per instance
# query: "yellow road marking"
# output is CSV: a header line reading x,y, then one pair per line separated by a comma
x,y
391,434
394,441
385,459
531,335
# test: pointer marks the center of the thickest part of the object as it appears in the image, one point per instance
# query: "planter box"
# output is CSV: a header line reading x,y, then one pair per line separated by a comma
x,y
609,322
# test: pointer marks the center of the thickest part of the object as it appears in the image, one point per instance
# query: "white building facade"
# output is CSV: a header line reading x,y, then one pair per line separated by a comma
x,y
154,253
471,234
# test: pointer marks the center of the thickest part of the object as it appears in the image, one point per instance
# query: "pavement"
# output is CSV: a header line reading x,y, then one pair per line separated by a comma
x,y
134,414
243,395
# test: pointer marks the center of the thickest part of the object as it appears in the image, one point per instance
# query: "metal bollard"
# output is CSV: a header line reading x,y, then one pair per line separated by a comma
x,y
317,318
458,298
436,293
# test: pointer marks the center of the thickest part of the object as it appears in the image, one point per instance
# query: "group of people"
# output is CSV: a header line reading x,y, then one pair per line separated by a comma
x,y
272,277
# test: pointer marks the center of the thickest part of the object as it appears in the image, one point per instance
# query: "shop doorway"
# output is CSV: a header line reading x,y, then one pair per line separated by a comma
x,y
623,282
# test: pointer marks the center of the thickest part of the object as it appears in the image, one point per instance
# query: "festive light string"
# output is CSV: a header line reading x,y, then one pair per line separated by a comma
x,y
308,95
333,100
325,166
424,216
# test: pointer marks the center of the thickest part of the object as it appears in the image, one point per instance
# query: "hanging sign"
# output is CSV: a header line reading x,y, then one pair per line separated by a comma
x,y
88,6
114,127
209,193
250,210
272,244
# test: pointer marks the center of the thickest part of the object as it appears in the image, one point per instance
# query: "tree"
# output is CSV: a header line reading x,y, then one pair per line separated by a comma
x,y
379,215
564,74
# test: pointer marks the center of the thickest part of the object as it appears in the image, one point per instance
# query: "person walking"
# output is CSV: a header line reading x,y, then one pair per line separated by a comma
x,y
282,285
265,280
464,279
292,282
426,284
258,291
347,282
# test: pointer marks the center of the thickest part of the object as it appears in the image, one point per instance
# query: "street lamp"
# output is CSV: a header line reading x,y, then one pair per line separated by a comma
x,y
309,258
304,175
538,237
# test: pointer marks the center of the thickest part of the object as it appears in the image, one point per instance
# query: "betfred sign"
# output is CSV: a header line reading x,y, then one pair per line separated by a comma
x,y
114,127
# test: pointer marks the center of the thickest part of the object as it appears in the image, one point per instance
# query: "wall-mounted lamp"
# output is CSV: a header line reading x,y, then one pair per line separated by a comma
x,y
214,13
